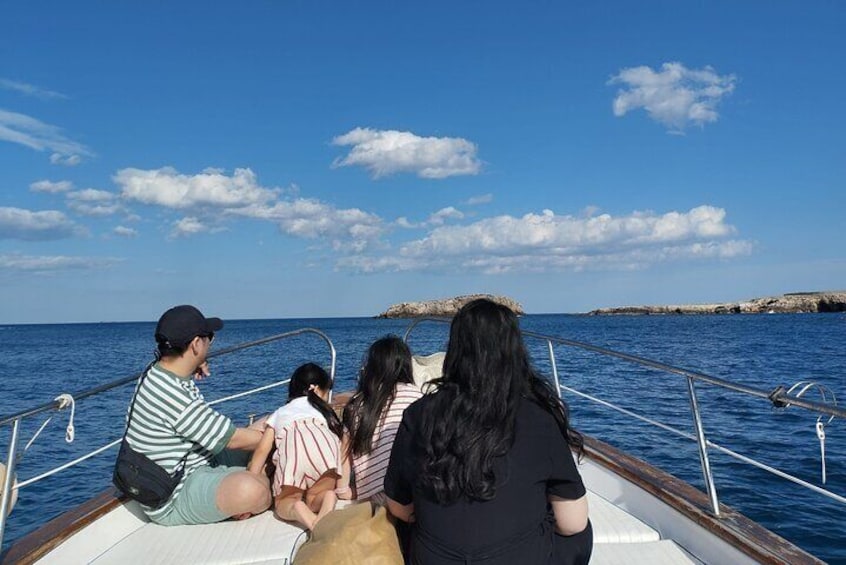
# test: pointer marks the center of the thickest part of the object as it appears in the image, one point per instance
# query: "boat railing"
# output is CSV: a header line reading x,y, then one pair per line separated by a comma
x,y
780,397
9,485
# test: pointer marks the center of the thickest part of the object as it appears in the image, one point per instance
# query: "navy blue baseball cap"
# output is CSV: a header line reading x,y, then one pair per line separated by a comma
x,y
179,325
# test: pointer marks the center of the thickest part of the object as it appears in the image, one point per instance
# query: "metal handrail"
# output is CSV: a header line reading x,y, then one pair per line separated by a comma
x,y
780,397
113,443
16,419
718,447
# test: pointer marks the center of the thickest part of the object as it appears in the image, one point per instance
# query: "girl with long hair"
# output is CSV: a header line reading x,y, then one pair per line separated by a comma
x,y
373,414
307,434
483,466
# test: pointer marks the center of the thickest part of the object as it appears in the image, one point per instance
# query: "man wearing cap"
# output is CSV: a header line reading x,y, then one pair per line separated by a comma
x,y
171,422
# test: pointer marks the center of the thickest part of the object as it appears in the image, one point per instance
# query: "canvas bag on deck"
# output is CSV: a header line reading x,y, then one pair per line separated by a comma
x,y
359,533
139,477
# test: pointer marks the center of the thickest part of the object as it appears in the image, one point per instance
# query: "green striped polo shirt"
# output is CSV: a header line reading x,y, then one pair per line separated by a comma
x,y
170,419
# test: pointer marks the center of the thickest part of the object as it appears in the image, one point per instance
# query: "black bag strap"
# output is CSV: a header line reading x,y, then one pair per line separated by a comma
x,y
132,409
135,395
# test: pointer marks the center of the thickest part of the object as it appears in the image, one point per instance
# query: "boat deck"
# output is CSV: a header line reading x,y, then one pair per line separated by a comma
x,y
125,535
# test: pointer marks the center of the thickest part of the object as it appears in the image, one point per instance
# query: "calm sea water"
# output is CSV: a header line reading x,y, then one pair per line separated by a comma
x,y
38,362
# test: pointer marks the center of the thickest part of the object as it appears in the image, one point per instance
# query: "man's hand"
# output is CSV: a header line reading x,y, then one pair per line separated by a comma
x,y
202,371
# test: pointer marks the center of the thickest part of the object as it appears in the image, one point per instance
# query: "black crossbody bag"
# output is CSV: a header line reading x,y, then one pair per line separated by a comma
x,y
139,477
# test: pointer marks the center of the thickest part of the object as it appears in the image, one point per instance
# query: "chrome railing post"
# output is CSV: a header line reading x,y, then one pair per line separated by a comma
x,y
333,355
703,449
6,504
554,366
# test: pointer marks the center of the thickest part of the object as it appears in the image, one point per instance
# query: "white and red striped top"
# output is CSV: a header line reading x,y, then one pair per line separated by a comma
x,y
306,449
370,469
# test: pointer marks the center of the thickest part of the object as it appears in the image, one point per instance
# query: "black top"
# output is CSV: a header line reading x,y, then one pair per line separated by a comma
x,y
514,526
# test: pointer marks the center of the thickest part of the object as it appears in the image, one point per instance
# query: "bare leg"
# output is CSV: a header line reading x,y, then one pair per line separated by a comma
x,y
321,497
242,494
290,506
307,507
323,504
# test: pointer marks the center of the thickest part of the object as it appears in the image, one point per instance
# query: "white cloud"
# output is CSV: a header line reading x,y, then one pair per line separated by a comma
x,y
444,214
547,242
32,133
438,218
47,263
590,211
210,188
403,222
480,199
92,202
95,210
92,195
675,96
29,89
17,223
213,195
66,160
387,152
308,218
185,227
124,231
381,264
530,263
50,186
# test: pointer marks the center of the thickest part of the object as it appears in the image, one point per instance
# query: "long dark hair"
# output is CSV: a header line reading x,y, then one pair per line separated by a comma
x,y
301,385
388,362
471,417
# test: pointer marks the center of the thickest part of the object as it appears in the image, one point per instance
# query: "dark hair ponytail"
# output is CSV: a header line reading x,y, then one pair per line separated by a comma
x,y
388,363
302,382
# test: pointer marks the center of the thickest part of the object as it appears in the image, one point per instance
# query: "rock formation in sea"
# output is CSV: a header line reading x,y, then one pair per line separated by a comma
x,y
444,307
794,302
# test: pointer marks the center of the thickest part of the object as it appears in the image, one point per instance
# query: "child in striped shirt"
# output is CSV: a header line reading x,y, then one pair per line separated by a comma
x,y
372,416
307,435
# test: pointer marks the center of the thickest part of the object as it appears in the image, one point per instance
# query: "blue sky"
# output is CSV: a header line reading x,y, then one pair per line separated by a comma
x,y
299,159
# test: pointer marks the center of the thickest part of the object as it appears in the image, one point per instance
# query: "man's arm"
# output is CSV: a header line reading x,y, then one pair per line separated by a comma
x,y
245,438
262,451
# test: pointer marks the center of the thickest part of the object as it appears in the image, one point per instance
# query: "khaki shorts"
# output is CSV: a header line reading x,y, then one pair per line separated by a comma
x,y
195,503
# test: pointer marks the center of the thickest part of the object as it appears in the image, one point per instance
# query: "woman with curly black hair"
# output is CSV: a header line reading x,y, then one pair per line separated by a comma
x,y
483,466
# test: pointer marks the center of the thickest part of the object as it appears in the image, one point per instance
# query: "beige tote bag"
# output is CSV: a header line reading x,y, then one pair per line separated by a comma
x,y
359,533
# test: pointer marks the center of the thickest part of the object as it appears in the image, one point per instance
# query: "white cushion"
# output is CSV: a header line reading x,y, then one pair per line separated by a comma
x,y
614,525
427,368
664,552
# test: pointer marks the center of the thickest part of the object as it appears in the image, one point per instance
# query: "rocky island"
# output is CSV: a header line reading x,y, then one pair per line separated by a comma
x,y
795,302
446,307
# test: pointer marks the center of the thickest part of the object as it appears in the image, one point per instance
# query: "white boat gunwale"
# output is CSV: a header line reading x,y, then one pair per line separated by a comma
x,y
750,538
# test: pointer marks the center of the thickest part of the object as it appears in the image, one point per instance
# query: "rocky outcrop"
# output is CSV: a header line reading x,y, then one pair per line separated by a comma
x,y
831,301
443,308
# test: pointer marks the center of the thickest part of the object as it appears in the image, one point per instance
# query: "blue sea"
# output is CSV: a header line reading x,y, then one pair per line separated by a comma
x,y
39,362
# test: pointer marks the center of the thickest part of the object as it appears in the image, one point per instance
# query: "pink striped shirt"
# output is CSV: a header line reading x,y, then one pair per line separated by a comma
x,y
370,469
306,448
